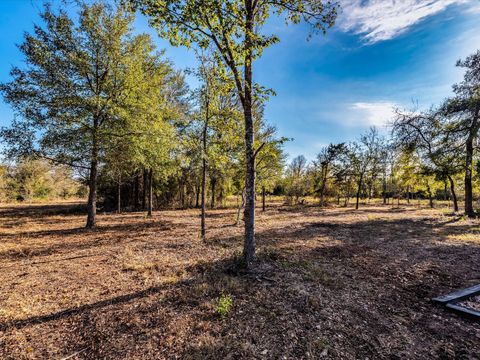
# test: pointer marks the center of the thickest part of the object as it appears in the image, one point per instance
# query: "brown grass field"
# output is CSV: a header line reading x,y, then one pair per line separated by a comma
x,y
334,283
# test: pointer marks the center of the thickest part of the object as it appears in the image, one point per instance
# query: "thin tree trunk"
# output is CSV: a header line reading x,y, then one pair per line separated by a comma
x,y
408,194
136,191
204,195
324,185
212,200
429,192
204,170
150,192
468,177
454,195
92,183
182,192
384,191
144,190
263,198
119,195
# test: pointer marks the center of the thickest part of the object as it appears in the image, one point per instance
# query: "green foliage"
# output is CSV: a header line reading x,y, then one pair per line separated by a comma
x,y
34,179
224,305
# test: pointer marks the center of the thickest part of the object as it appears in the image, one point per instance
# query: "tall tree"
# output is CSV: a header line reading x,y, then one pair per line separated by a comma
x,y
430,134
464,109
234,28
68,95
362,155
325,161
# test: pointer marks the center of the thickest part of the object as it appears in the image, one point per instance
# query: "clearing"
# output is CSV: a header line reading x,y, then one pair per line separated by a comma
x,y
334,283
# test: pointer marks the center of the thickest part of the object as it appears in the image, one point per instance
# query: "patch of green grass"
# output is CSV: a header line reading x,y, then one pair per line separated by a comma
x,y
224,305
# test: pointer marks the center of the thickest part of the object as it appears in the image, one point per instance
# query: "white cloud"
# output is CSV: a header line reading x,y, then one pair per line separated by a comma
x,y
377,114
378,20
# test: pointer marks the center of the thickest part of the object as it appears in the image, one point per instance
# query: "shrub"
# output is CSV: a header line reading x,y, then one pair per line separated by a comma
x,y
224,304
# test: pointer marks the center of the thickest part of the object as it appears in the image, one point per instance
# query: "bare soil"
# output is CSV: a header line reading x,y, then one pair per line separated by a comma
x,y
334,284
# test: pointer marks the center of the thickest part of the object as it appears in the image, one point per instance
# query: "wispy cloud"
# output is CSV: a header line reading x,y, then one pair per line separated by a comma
x,y
377,114
378,20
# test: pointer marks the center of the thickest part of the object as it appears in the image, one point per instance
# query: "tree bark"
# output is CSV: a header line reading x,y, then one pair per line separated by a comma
x,y
204,195
144,190
204,167
430,199
454,195
263,198
212,200
324,185
249,212
136,191
150,192
445,190
92,182
384,191
182,192
468,177
119,195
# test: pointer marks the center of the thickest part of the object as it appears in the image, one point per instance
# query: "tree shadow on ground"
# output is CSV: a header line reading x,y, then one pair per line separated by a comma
x,y
364,292
70,240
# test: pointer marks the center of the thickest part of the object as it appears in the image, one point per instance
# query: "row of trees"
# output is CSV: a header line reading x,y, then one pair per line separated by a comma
x,y
427,155
373,167
446,136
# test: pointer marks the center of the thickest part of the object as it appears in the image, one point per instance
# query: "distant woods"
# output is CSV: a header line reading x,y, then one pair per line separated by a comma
x,y
429,154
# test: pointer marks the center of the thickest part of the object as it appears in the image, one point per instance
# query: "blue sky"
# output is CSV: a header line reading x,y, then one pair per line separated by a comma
x,y
381,54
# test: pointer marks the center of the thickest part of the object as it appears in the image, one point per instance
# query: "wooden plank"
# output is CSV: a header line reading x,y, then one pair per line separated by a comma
x,y
458,295
468,312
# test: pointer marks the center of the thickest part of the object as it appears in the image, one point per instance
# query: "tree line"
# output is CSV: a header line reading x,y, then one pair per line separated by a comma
x,y
429,154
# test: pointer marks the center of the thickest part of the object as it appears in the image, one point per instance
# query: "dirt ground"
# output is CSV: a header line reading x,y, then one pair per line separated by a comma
x,y
333,284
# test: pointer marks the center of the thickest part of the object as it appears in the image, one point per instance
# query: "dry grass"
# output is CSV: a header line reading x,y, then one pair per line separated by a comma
x,y
333,283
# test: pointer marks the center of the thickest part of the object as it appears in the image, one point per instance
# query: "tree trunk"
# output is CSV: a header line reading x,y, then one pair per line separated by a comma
x,y
324,186
136,191
445,190
468,177
92,183
263,198
358,192
454,195
384,191
408,194
430,199
144,190
212,200
150,192
119,195
182,192
204,196
249,212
